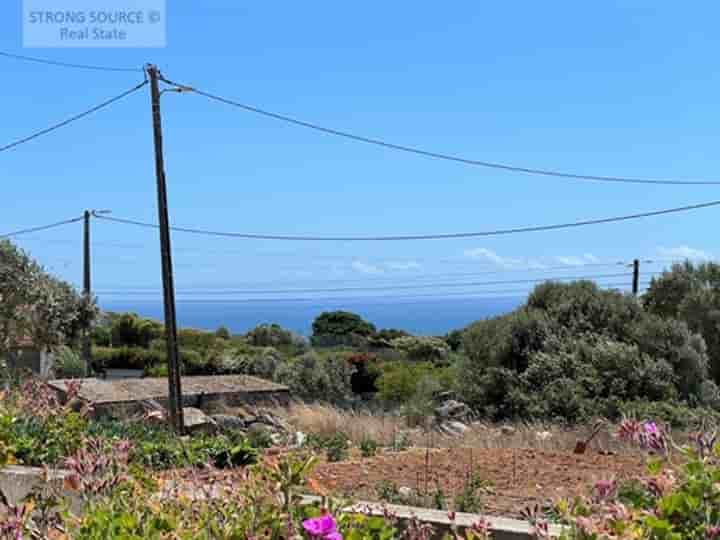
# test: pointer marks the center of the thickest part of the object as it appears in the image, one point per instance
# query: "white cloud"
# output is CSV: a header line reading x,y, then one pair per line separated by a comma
x,y
575,260
684,252
402,265
365,268
484,254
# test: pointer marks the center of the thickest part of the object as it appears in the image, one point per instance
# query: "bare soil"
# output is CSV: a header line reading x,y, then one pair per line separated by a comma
x,y
518,477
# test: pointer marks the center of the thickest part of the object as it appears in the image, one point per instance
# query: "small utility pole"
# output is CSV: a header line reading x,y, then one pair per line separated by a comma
x,y
174,388
636,276
87,341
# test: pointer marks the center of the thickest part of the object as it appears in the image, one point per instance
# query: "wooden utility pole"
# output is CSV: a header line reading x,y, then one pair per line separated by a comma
x,y
87,341
174,388
636,276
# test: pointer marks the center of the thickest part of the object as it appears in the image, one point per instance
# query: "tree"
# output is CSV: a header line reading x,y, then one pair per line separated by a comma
x,y
691,293
134,331
223,333
575,350
37,306
341,324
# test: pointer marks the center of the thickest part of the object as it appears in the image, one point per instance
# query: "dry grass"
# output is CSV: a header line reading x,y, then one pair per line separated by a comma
x,y
327,420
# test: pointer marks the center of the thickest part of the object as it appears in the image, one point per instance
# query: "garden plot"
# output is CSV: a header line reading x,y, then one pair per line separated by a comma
x,y
507,480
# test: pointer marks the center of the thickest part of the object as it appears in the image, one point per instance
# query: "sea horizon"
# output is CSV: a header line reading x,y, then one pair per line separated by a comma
x,y
422,316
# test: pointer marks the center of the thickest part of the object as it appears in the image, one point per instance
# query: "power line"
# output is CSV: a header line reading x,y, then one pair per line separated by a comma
x,y
478,295
389,287
42,227
447,236
73,118
433,154
67,64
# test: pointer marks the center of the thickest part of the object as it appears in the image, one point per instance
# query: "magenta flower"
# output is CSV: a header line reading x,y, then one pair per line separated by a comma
x,y
322,528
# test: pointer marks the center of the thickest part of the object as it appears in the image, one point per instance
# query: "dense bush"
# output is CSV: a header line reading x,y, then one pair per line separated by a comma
x,y
269,335
339,327
315,377
422,348
67,364
576,351
399,381
223,333
126,358
131,330
691,293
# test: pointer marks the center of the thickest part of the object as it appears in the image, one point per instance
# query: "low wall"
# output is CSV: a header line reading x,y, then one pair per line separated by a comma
x,y
16,482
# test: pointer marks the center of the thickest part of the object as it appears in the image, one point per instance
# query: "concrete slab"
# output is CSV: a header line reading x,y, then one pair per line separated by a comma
x,y
203,392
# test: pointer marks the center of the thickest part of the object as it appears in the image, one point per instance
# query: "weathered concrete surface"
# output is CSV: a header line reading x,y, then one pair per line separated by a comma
x,y
502,528
16,482
124,396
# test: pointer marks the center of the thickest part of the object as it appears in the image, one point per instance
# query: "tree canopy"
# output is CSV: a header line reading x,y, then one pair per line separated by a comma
x,y
37,306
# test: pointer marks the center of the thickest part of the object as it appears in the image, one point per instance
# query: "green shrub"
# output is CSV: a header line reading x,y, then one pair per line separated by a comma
x,y
223,333
67,364
126,358
333,328
574,346
131,330
157,447
398,382
368,447
422,348
269,335
314,377
336,448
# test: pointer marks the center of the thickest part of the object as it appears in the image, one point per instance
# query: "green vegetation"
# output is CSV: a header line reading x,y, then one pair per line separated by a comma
x,y
36,306
36,429
571,353
575,351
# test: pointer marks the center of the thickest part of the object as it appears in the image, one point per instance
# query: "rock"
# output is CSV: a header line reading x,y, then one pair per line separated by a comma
x,y
445,396
453,409
300,438
507,430
453,428
197,421
227,422
405,492
259,429
277,438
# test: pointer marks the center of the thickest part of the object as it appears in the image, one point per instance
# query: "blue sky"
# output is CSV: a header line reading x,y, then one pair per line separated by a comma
x,y
612,88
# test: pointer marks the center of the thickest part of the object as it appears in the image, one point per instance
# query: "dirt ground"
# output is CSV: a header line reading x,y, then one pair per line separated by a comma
x,y
518,477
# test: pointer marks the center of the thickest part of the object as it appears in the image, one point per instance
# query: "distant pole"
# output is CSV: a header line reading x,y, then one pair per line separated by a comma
x,y
174,388
636,276
86,342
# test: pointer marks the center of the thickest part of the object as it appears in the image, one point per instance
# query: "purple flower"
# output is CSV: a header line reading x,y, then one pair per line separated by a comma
x,y
651,429
322,528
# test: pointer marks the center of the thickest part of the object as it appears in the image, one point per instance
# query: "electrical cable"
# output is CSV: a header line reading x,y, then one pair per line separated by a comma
x,y
446,236
72,118
433,154
67,64
42,227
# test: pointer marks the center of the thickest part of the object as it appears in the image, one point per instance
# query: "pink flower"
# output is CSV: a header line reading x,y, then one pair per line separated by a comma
x,y
322,528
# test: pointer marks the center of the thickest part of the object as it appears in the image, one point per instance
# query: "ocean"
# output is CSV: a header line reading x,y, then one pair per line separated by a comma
x,y
435,316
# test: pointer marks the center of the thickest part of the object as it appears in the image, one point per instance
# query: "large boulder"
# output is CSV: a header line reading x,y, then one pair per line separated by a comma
x,y
453,410
197,421
228,422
